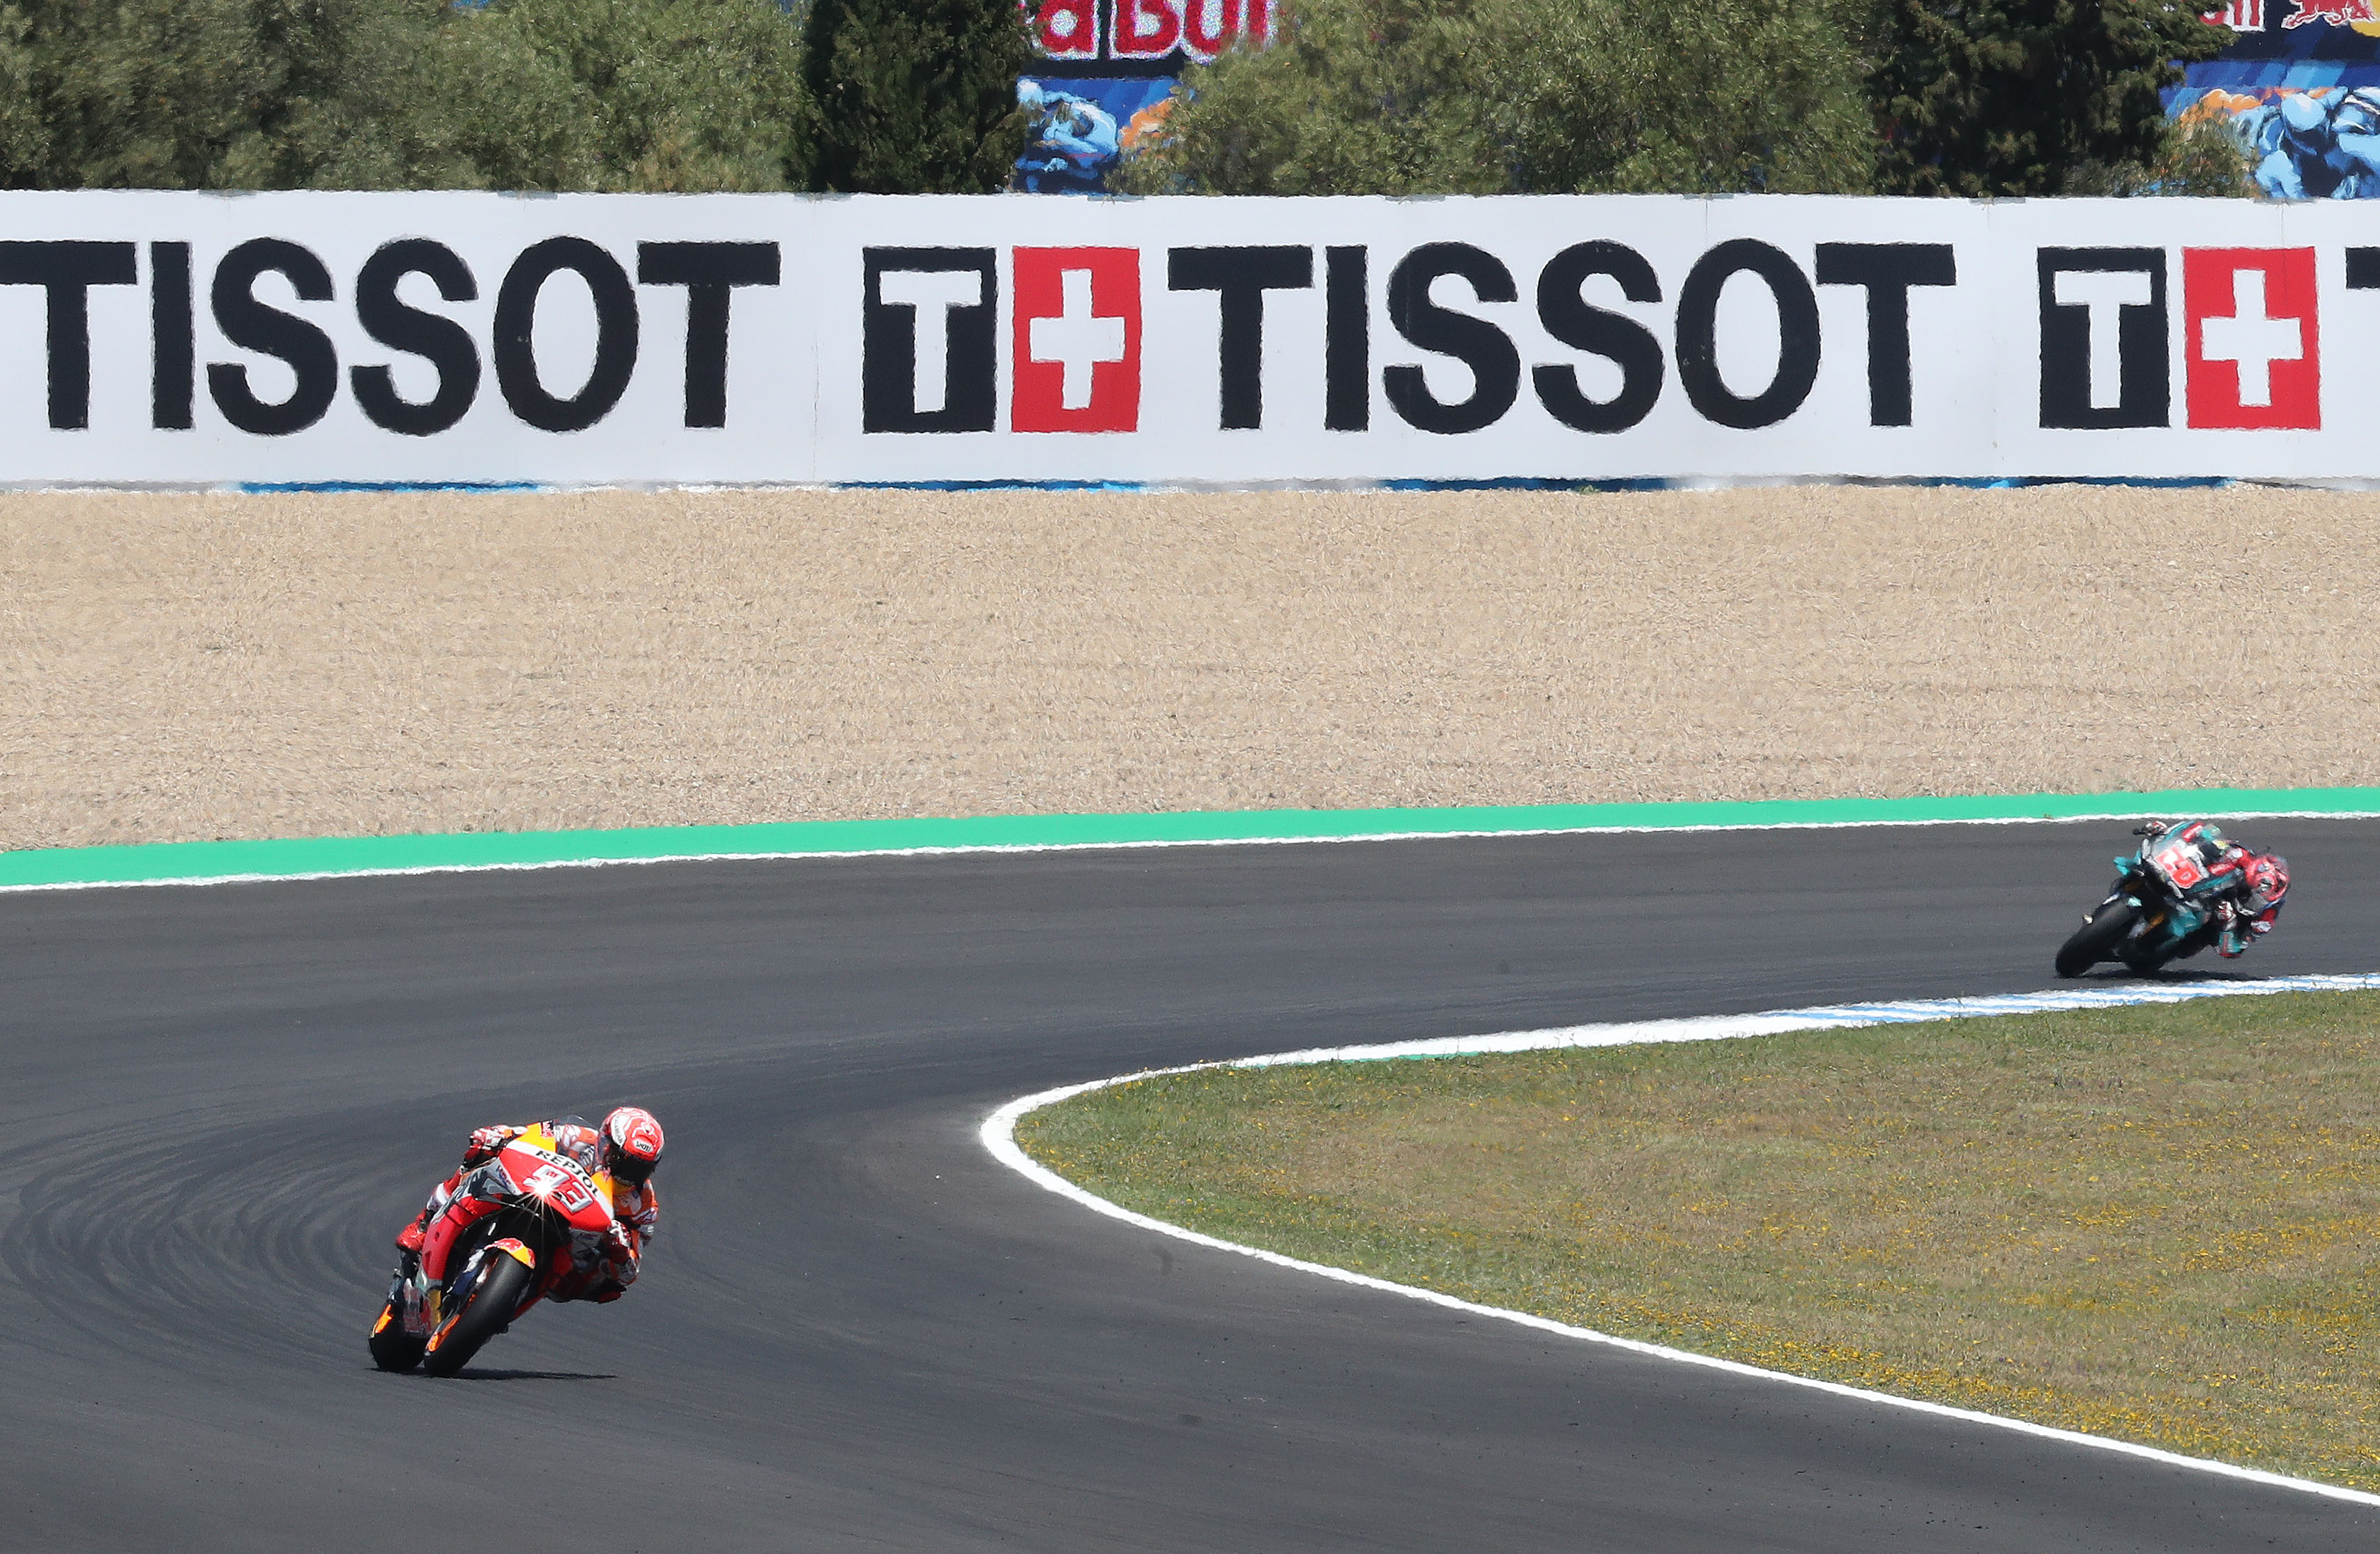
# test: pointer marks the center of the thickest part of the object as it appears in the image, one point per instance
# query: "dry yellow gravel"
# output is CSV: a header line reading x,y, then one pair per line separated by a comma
x,y
179,667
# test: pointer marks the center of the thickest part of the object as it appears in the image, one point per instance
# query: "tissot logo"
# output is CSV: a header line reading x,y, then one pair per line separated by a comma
x,y
463,339
1477,341
1076,327
928,340
2103,337
2251,337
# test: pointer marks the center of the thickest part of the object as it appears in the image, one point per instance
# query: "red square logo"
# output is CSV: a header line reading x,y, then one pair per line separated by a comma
x,y
1077,346
2253,346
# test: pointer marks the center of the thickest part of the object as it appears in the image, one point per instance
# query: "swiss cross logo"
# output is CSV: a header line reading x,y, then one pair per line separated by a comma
x,y
2253,346
1077,340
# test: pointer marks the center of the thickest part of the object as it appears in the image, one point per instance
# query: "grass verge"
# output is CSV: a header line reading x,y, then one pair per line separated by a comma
x,y
2153,1223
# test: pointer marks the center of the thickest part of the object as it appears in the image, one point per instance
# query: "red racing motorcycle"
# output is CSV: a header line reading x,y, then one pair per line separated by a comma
x,y
504,1264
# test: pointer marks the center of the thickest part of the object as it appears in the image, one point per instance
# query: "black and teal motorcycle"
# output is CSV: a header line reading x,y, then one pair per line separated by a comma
x,y
2165,906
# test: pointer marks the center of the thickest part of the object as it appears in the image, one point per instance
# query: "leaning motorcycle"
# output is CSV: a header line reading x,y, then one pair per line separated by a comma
x,y
502,1266
2162,907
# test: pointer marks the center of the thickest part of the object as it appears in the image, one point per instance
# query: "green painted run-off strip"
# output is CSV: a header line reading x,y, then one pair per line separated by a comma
x,y
366,855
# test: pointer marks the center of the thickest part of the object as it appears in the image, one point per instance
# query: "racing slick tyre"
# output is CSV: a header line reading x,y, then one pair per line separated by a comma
x,y
487,1311
2096,939
392,1347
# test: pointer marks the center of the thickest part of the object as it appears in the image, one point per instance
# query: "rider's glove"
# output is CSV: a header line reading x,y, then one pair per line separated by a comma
x,y
485,1142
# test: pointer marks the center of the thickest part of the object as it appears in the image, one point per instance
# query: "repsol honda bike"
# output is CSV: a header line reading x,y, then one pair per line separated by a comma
x,y
2164,906
504,1264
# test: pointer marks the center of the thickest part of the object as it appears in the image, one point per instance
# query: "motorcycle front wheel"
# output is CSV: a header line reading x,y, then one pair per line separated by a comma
x,y
2096,939
487,1310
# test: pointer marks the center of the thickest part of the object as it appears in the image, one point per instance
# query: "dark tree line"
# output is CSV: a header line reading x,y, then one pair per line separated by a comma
x,y
898,96
2030,96
1970,97
678,95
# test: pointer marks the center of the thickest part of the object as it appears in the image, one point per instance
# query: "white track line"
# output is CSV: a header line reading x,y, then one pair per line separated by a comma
x,y
999,1136
957,848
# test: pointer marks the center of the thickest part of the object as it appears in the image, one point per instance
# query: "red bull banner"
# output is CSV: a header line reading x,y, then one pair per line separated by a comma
x,y
2300,88
1108,77
1167,33
175,339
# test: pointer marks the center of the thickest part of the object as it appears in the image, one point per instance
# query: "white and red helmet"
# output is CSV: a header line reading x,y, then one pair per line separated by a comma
x,y
632,1143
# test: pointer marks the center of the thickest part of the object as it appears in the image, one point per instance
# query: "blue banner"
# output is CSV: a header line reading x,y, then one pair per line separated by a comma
x,y
1108,70
2301,87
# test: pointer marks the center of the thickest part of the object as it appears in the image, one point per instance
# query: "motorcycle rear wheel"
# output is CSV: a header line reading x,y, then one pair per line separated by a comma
x,y
392,1347
487,1311
2096,939
2142,962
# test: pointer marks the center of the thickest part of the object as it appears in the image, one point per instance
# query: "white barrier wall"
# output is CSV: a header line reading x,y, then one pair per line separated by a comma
x,y
185,338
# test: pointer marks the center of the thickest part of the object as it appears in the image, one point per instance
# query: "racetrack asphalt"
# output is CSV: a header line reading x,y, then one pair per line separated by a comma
x,y
855,1329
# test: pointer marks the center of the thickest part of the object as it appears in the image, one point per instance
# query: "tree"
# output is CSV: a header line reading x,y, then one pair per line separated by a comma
x,y
545,94
1524,96
1722,96
680,96
914,96
2016,97
208,94
1351,97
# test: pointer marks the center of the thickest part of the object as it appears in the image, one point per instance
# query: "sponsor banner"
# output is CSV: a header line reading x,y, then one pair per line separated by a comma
x,y
2300,86
1082,126
1118,37
590,339
1107,74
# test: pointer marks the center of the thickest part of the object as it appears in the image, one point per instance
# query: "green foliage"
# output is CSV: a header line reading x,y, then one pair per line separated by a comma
x,y
1997,97
1357,96
1719,96
2202,154
914,96
591,94
1353,97
670,95
1524,96
208,94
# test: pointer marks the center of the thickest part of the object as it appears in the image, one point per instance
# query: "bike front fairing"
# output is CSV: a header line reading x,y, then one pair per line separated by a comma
x,y
2171,874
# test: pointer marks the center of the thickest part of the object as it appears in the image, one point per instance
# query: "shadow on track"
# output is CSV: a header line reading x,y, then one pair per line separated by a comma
x,y
468,1373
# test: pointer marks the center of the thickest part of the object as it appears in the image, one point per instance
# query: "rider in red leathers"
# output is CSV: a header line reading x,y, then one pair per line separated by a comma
x,y
627,1145
2245,887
